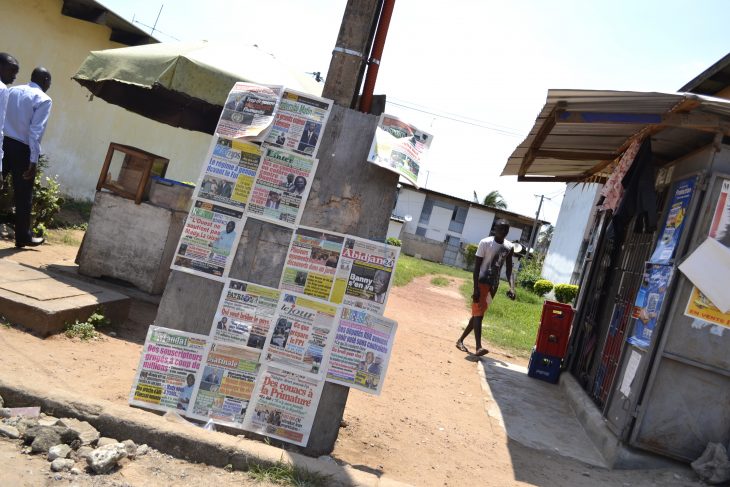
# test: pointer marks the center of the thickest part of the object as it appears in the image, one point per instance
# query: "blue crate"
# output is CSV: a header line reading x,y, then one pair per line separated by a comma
x,y
544,367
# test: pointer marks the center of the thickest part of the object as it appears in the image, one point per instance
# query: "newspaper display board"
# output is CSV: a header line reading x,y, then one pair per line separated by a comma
x,y
399,147
283,406
168,368
249,111
648,303
698,305
302,336
299,122
674,224
311,262
364,274
361,352
282,186
223,389
209,239
228,176
244,315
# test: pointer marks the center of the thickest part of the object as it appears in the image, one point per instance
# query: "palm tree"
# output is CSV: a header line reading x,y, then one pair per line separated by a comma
x,y
495,200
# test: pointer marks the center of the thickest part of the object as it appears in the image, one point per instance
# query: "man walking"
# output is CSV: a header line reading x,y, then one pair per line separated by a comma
x,y
27,114
491,254
8,71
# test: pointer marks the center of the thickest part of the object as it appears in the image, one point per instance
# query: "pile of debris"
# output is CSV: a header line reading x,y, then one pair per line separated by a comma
x,y
66,441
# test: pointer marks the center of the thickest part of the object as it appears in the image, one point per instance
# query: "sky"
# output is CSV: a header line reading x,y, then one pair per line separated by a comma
x,y
474,73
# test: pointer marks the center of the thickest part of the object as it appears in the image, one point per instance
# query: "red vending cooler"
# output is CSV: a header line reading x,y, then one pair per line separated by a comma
x,y
552,337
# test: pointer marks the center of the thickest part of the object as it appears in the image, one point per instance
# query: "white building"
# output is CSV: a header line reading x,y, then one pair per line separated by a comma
x,y
564,259
437,226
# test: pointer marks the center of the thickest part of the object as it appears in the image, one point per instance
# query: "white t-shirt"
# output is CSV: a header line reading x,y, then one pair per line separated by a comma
x,y
493,256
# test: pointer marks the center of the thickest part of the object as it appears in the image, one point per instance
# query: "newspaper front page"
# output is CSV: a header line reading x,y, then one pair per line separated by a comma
x,y
361,351
249,111
400,147
282,186
284,405
311,262
245,314
168,368
209,239
365,274
224,386
302,336
230,172
299,122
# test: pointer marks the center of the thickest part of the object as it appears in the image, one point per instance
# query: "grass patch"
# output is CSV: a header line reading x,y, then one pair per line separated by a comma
x,y
65,236
87,330
510,325
287,474
440,281
409,268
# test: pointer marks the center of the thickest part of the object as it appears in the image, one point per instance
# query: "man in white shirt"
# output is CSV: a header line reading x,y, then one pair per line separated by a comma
x,y
491,254
8,71
26,118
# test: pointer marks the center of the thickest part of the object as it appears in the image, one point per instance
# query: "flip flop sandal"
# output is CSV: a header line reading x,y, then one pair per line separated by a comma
x,y
461,347
481,352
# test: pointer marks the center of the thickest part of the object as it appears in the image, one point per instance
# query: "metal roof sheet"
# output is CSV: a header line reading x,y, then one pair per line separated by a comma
x,y
579,133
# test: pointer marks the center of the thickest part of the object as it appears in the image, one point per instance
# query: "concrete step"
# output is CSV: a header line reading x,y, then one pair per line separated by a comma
x,y
46,303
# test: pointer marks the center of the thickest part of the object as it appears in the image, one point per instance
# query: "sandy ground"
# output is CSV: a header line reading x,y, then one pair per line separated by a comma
x,y
429,427
152,470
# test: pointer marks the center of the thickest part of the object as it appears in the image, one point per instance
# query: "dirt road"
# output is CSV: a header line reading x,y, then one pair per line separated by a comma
x,y
428,428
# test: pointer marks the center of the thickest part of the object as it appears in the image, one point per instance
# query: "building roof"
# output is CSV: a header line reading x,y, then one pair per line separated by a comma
x,y
712,80
123,31
580,134
499,213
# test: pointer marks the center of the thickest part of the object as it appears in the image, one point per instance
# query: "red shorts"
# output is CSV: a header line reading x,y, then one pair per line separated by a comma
x,y
485,299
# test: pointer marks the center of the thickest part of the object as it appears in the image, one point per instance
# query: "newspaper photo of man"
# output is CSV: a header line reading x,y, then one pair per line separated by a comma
x,y
381,279
186,393
225,240
309,139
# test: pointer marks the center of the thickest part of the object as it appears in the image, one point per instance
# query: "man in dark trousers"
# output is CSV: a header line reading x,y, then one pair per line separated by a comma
x,y
491,254
8,71
25,122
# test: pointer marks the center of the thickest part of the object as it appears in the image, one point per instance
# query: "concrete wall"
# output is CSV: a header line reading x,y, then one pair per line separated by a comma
x,y
394,229
477,225
574,222
515,234
438,225
428,249
79,131
410,202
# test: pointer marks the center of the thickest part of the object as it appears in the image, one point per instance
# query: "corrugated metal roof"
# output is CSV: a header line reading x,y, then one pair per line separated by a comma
x,y
578,133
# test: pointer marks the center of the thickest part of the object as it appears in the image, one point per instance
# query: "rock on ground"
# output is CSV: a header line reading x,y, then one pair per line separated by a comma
x,y
58,451
131,448
105,458
2,402
9,431
103,441
87,433
84,452
61,464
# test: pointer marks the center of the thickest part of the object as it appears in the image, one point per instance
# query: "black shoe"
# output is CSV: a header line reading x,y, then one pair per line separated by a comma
x,y
33,242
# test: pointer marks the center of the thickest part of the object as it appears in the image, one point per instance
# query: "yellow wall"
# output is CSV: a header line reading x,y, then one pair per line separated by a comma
x,y
79,131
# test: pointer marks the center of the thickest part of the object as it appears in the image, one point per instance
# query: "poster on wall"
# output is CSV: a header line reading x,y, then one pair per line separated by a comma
x,y
699,306
283,406
299,122
365,274
282,186
400,147
311,262
208,240
224,387
361,352
649,302
249,111
302,335
168,368
230,172
244,315
678,206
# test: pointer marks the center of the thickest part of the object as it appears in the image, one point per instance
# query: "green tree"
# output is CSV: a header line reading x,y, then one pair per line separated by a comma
x,y
545,237
494,200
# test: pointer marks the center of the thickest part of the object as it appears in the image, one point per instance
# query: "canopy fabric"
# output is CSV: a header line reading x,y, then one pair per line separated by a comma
x,y
580,133
183,84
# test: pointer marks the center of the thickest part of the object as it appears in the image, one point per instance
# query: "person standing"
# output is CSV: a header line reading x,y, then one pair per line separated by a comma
x,y
26,118
8,71
491,254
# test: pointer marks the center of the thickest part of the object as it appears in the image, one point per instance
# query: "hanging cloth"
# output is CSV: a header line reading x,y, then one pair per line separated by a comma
x,y
613,190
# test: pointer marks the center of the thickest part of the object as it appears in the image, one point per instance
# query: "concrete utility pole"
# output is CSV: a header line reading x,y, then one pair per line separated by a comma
x,y
533,234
